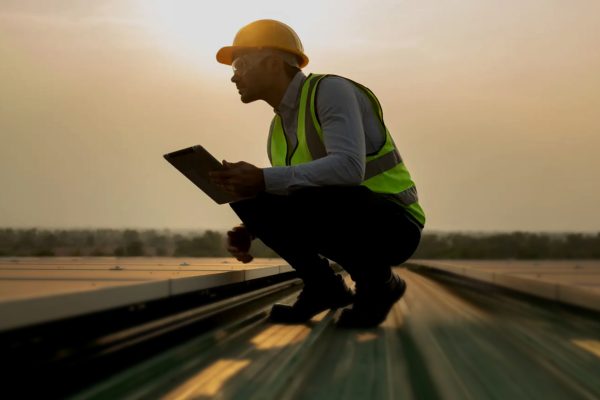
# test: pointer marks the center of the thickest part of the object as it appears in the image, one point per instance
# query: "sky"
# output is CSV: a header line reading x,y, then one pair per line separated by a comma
x,y
492,104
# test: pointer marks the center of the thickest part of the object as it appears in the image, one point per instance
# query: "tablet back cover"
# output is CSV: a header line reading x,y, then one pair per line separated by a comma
x,y
195,163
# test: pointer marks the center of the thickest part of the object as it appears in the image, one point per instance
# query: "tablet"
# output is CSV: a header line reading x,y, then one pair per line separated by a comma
x,y
195,163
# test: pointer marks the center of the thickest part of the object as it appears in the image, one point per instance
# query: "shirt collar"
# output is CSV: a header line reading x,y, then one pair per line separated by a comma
x,y
290,98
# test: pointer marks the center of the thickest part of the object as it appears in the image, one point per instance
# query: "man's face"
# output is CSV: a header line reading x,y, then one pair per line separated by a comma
x,y
250,76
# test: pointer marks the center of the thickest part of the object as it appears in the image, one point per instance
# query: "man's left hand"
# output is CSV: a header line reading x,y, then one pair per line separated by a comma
x,y
240,179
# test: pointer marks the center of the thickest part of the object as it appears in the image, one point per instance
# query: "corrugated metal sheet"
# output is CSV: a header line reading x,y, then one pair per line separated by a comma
x,y
443,340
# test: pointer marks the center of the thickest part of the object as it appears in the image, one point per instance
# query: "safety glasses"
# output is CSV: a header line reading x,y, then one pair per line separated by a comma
x,y
246,62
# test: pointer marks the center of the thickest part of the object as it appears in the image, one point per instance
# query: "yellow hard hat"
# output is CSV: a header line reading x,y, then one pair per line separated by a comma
x,y
265,33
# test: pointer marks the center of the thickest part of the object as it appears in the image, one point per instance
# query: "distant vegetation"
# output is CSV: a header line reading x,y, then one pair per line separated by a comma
x,y
149,243
513,245
118,242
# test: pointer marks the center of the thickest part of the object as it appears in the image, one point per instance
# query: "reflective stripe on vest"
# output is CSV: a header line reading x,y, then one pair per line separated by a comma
x,y
385,171
309,144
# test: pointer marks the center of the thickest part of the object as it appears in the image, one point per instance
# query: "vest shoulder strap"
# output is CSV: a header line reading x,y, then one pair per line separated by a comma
x,y
370,95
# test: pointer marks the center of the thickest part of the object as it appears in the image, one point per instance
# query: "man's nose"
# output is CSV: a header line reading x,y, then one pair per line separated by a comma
x,y
235,78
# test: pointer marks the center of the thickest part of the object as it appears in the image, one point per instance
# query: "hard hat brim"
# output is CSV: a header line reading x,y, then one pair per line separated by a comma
x,y
225,54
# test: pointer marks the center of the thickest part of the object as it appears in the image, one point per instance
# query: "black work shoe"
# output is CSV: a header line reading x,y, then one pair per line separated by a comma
x,y
314,298
373,303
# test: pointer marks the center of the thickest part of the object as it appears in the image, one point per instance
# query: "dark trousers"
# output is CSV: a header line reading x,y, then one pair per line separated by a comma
x,y
364,232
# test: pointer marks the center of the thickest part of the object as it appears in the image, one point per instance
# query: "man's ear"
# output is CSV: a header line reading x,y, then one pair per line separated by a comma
x,y
273,64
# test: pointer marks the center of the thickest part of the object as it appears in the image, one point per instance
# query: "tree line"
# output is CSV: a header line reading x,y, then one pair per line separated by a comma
x,y
17,242
117,242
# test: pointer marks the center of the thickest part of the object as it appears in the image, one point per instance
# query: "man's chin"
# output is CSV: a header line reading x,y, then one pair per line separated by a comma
x,y
247,99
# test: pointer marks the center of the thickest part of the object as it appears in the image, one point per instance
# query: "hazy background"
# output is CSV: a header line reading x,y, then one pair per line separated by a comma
x,y
493,104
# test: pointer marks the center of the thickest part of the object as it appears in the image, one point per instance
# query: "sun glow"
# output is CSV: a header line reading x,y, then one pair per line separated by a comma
x,y
193,31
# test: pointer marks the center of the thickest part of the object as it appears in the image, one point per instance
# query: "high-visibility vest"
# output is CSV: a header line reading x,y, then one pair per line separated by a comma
x,y
384,170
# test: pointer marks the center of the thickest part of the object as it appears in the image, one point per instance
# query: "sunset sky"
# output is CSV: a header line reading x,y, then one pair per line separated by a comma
x,y
494,105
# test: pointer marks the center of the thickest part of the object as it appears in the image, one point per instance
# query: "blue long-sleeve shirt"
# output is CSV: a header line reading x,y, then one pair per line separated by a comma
x,y
351,129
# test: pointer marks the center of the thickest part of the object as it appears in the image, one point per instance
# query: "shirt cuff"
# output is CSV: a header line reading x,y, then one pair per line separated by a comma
x,y
277,180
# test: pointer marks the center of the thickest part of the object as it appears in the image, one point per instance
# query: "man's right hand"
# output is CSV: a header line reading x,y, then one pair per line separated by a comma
x,y
238,243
